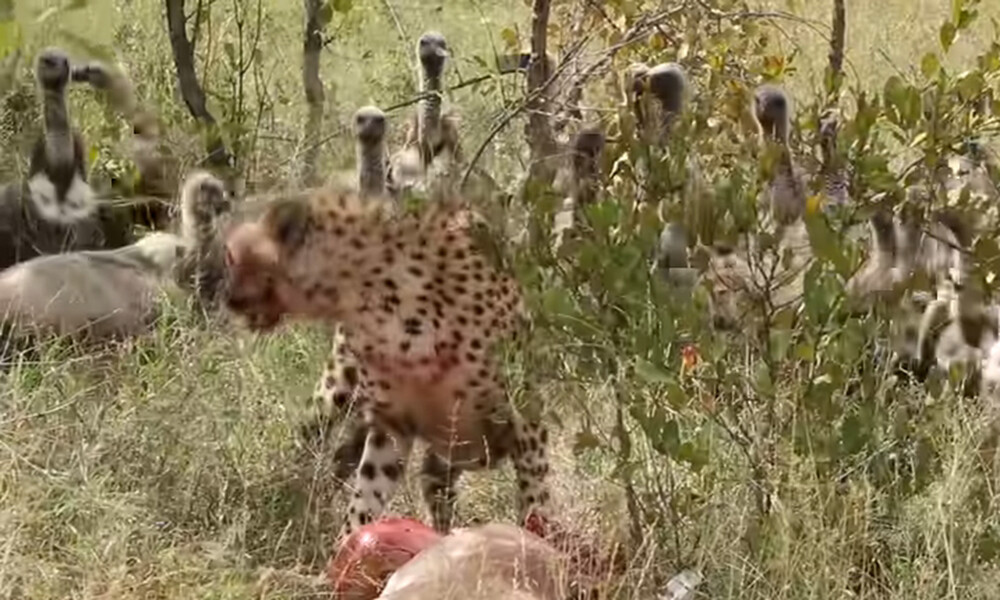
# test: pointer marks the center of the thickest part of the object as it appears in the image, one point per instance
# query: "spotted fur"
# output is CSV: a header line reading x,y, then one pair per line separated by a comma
x,y
422,308
334,392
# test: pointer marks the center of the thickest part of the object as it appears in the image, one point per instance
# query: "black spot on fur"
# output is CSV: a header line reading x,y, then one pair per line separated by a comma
x,y
351,375
411,326
340,399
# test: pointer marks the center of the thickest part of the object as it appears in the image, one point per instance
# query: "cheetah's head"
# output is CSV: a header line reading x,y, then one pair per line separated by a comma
x,y
259,287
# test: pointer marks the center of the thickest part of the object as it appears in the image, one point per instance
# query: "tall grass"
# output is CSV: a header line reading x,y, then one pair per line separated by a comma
x,y
170,467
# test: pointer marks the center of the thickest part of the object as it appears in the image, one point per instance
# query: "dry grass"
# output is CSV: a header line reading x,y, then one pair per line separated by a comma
x,y
170,469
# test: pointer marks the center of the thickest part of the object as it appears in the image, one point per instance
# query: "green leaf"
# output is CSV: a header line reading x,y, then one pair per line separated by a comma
x,y
10,37
780,341
92,48
805,351
956,9
325,14
583,441
930,66
46,14
853,434
694,453
670,437
967,18
763,383
970,85
894,91
826,244
675,395
509,37
832,81
343,6
557,301
651,373
230,51
947,35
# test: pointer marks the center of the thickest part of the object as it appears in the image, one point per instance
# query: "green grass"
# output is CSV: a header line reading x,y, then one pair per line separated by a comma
x,y
882,39
169,469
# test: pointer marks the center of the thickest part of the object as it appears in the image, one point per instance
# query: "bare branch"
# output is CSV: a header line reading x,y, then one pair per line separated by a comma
x,y
404,37
506,65
635,33
541,140
191,91
837,40
312,46
509,116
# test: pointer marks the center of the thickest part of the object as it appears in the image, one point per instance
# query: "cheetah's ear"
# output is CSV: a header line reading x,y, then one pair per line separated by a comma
x,y
287,221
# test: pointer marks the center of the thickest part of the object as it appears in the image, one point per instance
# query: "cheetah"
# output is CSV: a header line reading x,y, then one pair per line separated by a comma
x,y
421,308
332,395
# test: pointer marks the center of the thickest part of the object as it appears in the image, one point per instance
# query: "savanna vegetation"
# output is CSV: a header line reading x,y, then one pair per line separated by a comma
x,y
783,460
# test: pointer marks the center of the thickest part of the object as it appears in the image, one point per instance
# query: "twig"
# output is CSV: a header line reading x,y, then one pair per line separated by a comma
x,y
403,36
462,84
837,38
631,37
509,116
760,14
312,85
541,140
634,33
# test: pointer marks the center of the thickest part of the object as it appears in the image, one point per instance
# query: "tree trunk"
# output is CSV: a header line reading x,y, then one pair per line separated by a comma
x,y
837,41
313,86
541,141
187,80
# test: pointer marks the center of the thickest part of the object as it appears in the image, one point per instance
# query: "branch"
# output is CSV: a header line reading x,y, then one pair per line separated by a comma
x,y
403,36
312,46
507,118
506,65
541,140
634,34
187,80
570,104
837,38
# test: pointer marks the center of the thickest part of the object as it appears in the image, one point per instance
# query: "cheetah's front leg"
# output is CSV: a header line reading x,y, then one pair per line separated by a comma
x,y
438,482
335,390
383,462
334,403
531,463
